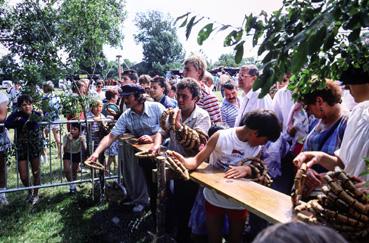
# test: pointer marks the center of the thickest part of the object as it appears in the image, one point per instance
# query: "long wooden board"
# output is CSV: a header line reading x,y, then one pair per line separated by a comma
x,y
267,203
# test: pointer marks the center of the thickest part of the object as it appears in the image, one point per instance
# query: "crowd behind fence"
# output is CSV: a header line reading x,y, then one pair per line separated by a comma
x,y
51,169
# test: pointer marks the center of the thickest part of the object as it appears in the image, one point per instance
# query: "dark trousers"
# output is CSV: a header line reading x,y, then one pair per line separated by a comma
x,y
184,196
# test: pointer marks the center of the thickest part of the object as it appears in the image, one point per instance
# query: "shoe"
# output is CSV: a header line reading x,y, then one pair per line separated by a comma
x,y
35,200
3,200
29,198
72,188
138,208
73,191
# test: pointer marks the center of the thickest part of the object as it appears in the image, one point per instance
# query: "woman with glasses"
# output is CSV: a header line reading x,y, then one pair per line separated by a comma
x,y
326,130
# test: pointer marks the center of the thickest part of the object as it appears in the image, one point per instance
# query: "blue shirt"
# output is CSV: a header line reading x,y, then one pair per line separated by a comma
x,y
327,141
147,123
229,112
168,102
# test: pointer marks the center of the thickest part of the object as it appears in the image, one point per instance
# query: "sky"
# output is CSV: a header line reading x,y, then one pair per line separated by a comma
x,y
221,11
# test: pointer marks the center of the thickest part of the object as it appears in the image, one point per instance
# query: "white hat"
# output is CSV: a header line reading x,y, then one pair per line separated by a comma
x,y
4,98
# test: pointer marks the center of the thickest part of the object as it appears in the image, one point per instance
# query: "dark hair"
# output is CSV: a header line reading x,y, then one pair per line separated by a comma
x,y
191,84
132,74
229,85
265,122
297,232
77,125
109,94
100,81
216,127
173,86
331,94
162,83
140,97
24,98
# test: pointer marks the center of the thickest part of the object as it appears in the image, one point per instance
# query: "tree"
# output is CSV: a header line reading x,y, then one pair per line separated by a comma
x,y
161,48
42,33
227,60
85,26
307,38
8,67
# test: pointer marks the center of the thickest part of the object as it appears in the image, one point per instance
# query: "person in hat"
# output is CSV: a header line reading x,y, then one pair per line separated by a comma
x,y
355,143
142,119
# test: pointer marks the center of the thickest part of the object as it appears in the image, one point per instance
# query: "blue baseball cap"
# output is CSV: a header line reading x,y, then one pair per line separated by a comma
x,y
130,89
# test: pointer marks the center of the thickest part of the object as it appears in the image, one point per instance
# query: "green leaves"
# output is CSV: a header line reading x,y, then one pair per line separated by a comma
x,y
204,33
239,52
233,38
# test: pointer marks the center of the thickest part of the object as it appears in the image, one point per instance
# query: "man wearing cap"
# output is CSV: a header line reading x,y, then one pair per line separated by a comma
x,y
142,120
355,142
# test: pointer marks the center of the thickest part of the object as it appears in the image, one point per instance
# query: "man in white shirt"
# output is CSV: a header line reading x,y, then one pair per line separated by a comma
x,y
250,101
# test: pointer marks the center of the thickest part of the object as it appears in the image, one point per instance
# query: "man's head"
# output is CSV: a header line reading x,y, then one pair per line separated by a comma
x,y
158,87
230,92
129,77
208,79
132,95
145,80
188,93
357,80
99,84
48,86
247,76
264,126
194,67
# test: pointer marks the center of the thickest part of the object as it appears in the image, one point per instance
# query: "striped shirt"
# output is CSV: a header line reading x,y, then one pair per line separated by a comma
x,y
229,112
209,102
146,123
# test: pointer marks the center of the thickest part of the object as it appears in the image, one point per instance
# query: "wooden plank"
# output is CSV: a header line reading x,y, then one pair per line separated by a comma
x,y
267,203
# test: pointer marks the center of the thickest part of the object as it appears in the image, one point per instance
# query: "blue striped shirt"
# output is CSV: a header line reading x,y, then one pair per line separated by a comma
x,y
146,123
229,112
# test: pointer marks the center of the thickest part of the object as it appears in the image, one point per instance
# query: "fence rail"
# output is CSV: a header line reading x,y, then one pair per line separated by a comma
x,y
52,170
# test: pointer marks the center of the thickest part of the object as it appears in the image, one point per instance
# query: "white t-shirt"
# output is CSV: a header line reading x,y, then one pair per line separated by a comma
x,y
355,142
251,102
282,104
228,150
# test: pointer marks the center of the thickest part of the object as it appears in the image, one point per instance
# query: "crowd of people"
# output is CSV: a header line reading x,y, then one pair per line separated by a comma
x,y
318,129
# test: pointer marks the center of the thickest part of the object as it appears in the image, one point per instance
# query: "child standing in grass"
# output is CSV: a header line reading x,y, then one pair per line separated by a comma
x,y
28,141
74,147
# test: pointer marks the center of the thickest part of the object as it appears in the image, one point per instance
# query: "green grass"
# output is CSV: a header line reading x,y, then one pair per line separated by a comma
x,y
58,217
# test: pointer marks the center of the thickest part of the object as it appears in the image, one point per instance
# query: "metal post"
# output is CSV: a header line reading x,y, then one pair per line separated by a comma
x,y
119,67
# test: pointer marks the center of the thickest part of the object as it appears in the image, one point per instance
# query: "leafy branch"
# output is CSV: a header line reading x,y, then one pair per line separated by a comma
x,y
320,38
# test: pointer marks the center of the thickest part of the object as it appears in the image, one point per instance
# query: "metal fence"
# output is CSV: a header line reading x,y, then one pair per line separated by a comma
x,y
52,171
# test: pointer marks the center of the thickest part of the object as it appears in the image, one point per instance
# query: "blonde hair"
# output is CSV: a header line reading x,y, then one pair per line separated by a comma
x,y
96,103
198,63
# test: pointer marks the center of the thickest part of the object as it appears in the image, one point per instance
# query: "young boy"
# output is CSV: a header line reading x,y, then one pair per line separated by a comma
x,y
229,147
74,146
